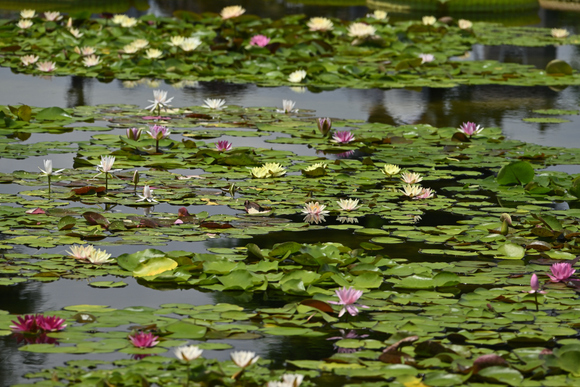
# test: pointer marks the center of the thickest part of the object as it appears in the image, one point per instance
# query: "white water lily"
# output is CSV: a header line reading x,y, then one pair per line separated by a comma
x,y
140,43
160,100
27,13
98,257
130,49
294,380
176,40
47,171
411,177
24,23
85,51
559,33
411,190
29,59
188,352
147,195
190,44
81,253
428,20
361,30
287,106
464,24
153,53
214,103
46,66
91,60
348,204
297,76
319,24
52,16
244,359
378,14
118,19
75,32
129,22
391,169
106,164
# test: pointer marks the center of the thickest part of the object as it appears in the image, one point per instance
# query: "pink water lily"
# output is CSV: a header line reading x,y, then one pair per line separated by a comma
x,y
343,137
324,125
134,133
38,323
561,272
223,146
144,340
50,323
470,128
259,40
535,285
348,298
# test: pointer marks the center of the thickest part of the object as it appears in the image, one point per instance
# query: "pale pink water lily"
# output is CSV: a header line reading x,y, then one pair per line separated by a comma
x,y
561,271
91,60
470,128
411,177
134,133
244,359
158,132
85,51
535,285
324,125
223,146
52,16
188,352
24,24
82,253
232,11
426,193
411,190
46,66
259,40
28,59
348,298
343,137
144,340
426,58
147,195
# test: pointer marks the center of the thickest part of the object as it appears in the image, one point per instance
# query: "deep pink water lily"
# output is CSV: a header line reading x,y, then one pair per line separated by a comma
x,y
343,137
144,340
348,298
259,40
50,323
561,272
38,323
25,323
223,146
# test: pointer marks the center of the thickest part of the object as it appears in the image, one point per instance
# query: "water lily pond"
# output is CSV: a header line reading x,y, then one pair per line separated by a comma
x,y
288,195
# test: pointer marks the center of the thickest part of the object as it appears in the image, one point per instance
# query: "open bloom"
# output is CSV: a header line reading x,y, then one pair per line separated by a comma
x,y
217,104
561,272
274,169
188,352
28,59
91,60
130,49
223,146
314,208
85,51
129,22
319,24
411,177
82,253
470,129
106,164
287,106
27,13
348,204
361,30
297,76
98,257
464,24
378,14
559,33
391,169
293,380
46,66
118,19
428,20
134,133
75,32
52,16
232,11
140,43
244,359
426,58
259,40
144,340
47,171
176,40
348,298
50,323
411,190
160,100
535,285
425,193
24,23
147,195
343,137
158,132
153,53
190,44
25,324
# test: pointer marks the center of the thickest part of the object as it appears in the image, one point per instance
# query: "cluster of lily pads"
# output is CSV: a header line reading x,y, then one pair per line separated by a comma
x,y
318,52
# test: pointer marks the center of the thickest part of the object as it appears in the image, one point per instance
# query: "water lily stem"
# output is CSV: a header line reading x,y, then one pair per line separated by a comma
x,y
106,182
48,187
537,307
187,383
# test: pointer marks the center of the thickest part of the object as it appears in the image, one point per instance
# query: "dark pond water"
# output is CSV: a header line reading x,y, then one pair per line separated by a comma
x,y
489,106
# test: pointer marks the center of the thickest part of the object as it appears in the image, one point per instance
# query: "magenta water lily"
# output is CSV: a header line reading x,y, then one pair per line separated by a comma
x,y
470,128
144,340
343,137
561,272
38,324
223,146
259,40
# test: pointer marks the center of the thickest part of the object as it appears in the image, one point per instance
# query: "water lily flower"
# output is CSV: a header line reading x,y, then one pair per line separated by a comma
x,y
24,23
464,24
147,195
47,171
411,177
535,285
315,166
98,257
348,204
297,76
46,66
158,132
188,352
232,11
85,51
82,253
27,13
426,58
91,60
348,298
426,193
411,190
324,125
106,164
378,14
217,104
28,59
276,383
160,101
320,24
268,170
134,133
176,40
259,172
559,33
130,48
391,169
314,208
144,340
470,129
50,323
428,20
343,137
140,43
190,44
361,30
129,22
153,53
259,40
52,16
287,106
561,272
118,19
244,359
25,324
75,32
223,146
